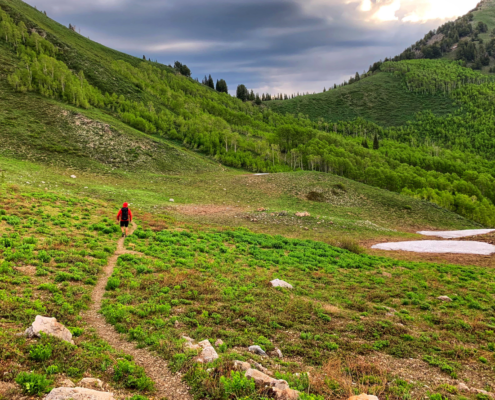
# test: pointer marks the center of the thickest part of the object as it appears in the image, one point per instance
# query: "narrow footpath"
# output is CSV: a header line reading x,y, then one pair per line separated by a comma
x,y
167,385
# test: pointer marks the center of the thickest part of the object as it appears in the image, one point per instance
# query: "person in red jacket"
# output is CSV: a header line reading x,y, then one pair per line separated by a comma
x,y
124,217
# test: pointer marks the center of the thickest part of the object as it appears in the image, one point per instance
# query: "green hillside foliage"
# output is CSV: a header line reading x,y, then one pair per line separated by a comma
x,y
240,134
379,98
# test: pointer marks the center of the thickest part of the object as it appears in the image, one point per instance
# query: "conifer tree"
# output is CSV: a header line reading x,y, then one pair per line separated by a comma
x,y
365,144
376,144
210,82
242,93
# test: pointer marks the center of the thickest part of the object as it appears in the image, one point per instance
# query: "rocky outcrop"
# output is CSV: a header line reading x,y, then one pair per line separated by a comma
x,y
77,393
279,388
49,326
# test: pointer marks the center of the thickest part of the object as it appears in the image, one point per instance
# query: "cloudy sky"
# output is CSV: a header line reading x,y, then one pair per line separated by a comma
x,y
276,46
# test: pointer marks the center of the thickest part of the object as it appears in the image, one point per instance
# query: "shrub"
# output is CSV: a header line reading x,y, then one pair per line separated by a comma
x,y
44,257
132,376
113,283
316,196
40,352
51,369
33,384
350,245
237,385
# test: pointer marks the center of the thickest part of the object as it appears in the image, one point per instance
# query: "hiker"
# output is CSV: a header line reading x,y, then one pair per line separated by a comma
x,y
124,217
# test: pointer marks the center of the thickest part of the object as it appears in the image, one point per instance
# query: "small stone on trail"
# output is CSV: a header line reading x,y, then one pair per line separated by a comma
x,y
91,383
303,214
208,354
50,326
73,176
444,298
363,396
219,342
257,350
281,283
78,394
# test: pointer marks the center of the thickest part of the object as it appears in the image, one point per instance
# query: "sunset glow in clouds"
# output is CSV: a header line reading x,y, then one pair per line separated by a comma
x,y
416,10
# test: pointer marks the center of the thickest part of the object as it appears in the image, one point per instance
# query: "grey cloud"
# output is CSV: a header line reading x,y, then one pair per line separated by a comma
x,y
269,45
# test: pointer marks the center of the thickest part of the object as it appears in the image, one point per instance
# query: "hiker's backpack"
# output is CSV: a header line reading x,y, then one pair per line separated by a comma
x,y
125,214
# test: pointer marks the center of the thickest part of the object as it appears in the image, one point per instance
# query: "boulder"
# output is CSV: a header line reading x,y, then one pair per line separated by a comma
x,y
444,298
260,367
91,383
241,365
483,392
363,396
263,380
172,200
50,326
208,354
462,387
190,345
276,353
286,394
67,383
257,350
219,342
73,176
280,283
77,393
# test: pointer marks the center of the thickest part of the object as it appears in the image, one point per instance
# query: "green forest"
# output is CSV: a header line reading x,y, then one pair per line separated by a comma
x,y
443,159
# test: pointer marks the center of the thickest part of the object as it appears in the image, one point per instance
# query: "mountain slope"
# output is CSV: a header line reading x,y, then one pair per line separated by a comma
x,y
379,99
152,109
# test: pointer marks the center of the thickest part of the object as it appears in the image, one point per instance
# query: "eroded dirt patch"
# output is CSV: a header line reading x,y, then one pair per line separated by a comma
x,y
199,209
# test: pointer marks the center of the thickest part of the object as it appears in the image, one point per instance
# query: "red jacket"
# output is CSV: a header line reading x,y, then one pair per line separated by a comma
x,y
120,213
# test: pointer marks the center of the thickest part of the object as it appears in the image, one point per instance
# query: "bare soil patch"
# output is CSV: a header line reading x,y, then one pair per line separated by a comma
x,y
200,209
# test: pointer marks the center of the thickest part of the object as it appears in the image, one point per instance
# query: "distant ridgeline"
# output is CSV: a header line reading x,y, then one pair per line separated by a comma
x,y
447,160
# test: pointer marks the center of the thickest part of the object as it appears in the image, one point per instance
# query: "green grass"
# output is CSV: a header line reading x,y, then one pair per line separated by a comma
x,y
380,98
214,284
50,259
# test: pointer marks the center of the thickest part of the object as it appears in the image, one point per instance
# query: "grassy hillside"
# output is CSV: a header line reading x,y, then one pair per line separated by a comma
x,y
380,99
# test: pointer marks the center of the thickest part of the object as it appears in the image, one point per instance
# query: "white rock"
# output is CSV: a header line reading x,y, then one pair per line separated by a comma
x,y
73,176
208,354
78,394
91,383
50,326
281,283
278,353
171,200
444,298
303,214
257,350
286,394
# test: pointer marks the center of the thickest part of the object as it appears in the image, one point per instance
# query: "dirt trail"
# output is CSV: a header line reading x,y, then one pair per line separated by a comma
x,y
168,385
